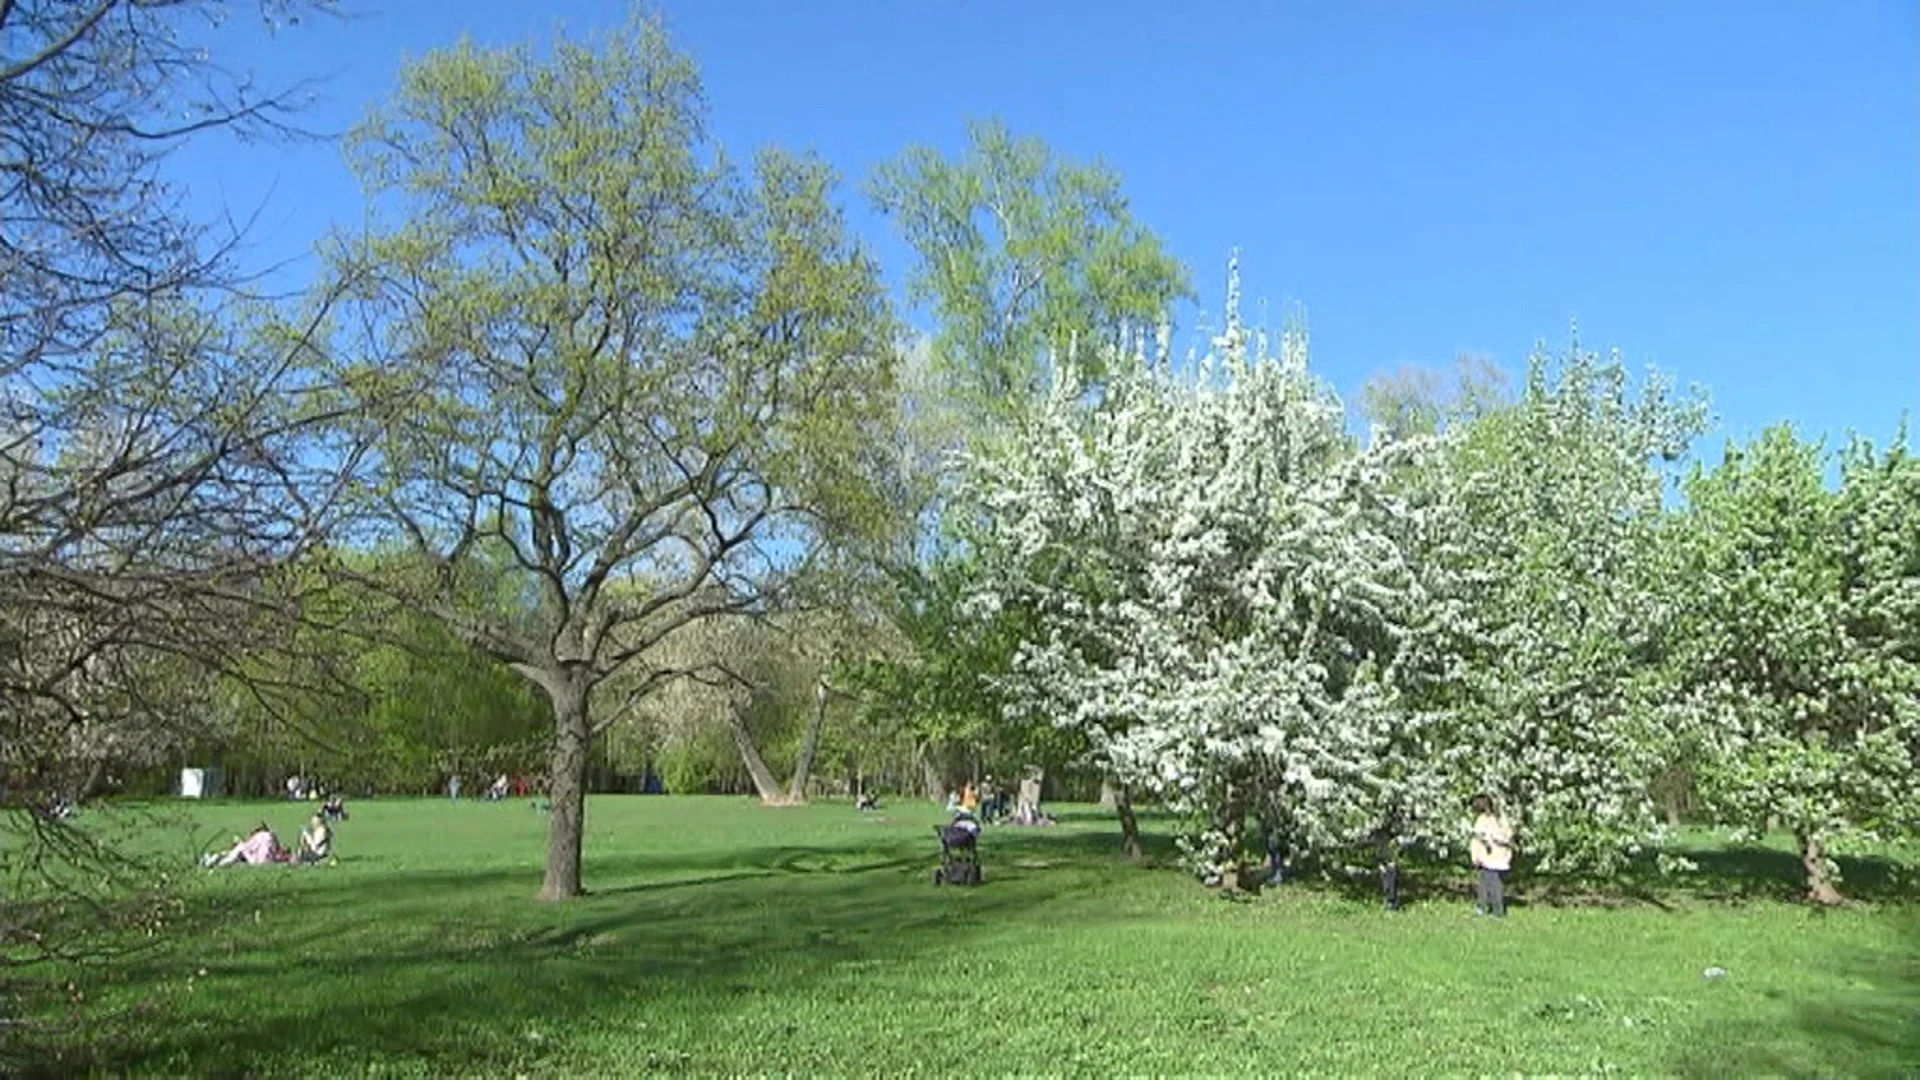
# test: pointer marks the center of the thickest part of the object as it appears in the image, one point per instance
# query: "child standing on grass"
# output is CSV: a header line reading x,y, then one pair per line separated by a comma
x,y
1492,851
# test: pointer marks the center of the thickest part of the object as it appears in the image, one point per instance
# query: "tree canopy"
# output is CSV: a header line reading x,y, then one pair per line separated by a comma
x,y
659,386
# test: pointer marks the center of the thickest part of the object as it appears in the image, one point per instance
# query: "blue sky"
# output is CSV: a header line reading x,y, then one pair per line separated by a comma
x,y
1728,190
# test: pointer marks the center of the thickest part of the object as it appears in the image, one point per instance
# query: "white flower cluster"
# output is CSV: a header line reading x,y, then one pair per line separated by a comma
x,y
1243,613
1228,608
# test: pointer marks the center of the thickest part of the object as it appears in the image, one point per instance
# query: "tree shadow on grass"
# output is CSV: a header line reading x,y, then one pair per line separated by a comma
x,y
447,972
1733,874
1869,1029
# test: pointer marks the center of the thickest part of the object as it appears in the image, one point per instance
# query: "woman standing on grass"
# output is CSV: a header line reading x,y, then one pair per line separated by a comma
x,y
1492,851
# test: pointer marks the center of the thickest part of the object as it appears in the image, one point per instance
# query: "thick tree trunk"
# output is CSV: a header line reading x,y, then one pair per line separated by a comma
x,y
1813,860
567,794
763,780
809,745
1026,805
1129,825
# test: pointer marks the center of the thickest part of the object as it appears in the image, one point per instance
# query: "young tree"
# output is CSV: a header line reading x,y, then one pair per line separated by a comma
x,y
662,390
1801,649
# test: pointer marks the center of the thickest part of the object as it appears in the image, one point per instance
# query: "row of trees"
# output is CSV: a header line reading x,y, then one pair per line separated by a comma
x,y
1239,609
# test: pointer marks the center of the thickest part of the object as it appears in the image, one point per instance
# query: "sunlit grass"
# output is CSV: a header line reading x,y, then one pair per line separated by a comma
x,y
721,937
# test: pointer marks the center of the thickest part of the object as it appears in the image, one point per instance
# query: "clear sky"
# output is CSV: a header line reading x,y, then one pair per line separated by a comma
x,y
1728,189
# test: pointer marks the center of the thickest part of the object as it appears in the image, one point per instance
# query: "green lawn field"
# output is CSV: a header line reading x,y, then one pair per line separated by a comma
x,y
724,938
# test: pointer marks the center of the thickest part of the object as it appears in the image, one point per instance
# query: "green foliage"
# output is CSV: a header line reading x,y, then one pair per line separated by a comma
x,y
942,685
1022,256
1560,618
1416,401
1801,647
664,389
370,693
698,763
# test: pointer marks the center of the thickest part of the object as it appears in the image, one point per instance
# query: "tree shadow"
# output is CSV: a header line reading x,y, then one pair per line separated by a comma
x,y
1731,874
1869,1029
448,972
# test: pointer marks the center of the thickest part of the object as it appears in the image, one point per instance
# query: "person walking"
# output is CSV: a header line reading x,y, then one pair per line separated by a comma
x,y
1492,852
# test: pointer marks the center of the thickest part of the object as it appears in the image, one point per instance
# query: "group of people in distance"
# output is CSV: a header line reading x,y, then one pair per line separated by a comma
x,y
502,787
261,847
990,804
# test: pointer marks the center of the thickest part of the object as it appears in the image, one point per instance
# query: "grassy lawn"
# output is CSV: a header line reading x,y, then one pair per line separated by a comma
x,y
726,938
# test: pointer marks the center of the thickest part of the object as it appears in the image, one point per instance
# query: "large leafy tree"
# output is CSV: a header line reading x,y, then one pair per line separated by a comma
x,y
1801,650
1022,256
659,386
1559,617
1222,605
1026,261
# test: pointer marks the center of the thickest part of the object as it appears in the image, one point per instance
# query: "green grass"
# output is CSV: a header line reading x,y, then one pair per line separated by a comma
x,y
723,938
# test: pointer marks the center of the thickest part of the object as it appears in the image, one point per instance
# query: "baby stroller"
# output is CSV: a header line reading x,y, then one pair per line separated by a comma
x,y
959,853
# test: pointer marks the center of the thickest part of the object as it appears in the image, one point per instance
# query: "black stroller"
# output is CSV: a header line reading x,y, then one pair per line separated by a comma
x,y
959,855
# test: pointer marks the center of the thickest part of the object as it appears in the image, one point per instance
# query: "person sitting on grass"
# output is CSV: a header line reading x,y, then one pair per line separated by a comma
x,y
335,808
257,848
1492,853
993,801
316,841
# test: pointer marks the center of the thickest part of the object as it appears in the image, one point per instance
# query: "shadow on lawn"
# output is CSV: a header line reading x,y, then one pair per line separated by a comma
x,y
1733,874
450,972
1872,1029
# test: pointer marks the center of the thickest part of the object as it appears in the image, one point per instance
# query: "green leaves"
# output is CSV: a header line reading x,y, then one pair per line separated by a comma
x,y
1025,260
1802,646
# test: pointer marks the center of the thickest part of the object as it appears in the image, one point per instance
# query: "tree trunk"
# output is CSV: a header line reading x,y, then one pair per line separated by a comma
x,y
931,782
763,781
567,794
96,771
1230,819
1027,803
1129,825
1813,859
809,745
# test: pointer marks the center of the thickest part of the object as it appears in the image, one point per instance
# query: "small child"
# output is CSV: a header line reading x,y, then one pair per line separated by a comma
x,y
316,841
1492,851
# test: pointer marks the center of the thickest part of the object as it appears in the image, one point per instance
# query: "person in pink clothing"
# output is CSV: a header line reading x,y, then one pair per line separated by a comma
x,y
256,848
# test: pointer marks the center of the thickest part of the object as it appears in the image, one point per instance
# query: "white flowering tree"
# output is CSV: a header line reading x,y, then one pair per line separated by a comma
x,y
1560,621
1802,645
1221,602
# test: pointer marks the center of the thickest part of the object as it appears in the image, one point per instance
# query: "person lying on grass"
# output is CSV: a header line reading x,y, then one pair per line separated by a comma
x,y
316,841
257,848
